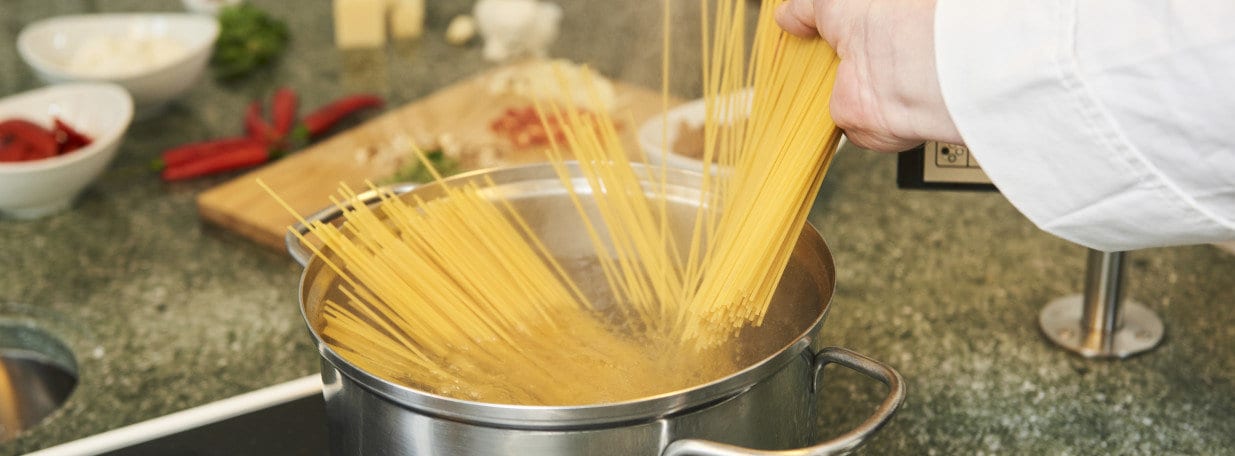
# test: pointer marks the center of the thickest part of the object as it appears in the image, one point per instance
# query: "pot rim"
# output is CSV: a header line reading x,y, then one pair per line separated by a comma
x,y
576,416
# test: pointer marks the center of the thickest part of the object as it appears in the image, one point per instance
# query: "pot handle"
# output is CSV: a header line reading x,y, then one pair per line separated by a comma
x,y
300,253
839,445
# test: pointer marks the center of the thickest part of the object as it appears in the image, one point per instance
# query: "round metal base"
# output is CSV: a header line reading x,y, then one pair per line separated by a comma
x,y
1140,329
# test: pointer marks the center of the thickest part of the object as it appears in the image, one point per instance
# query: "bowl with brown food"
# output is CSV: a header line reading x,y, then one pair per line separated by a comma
x,y
679,137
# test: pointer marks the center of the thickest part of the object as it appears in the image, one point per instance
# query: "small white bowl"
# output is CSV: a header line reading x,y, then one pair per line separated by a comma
x,y
211,7
49,45
658,143
102,111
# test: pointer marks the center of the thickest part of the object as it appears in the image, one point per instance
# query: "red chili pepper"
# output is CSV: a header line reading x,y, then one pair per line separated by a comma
x,y
180,155
22,140
284,111
257,127
319,121
264,140
243,156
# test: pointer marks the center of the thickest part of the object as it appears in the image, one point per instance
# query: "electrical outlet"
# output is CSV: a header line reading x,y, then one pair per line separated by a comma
x,y
941,166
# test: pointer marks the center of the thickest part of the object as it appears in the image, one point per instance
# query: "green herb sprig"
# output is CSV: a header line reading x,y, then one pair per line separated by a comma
x,y
248,39
414,171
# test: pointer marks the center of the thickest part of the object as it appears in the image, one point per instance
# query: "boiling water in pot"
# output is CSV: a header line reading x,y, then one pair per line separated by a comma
x,y
600,357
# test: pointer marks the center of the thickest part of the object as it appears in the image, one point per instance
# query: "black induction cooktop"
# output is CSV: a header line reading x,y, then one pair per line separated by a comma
x,y
297,427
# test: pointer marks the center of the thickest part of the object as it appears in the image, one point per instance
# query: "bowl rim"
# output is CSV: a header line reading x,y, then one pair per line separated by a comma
x,y
101,141
26,37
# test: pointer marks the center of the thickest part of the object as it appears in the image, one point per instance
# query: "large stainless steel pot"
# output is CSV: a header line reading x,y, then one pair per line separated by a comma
x,y
769,405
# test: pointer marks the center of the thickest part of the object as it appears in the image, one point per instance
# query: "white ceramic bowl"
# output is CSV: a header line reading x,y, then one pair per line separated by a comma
x,y
658,143
102,111
652,135
49,46
211,7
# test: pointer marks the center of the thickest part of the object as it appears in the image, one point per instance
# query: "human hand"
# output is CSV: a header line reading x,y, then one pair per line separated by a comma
x,y
887,95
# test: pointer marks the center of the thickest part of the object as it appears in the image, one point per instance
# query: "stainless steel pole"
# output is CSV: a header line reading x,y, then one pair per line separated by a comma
x,y
1101,322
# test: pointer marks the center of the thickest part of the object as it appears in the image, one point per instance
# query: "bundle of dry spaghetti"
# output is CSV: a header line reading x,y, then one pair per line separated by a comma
x,y
457,295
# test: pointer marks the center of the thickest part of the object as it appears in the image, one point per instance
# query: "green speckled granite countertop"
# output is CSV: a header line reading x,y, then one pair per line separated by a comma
x,y
165,313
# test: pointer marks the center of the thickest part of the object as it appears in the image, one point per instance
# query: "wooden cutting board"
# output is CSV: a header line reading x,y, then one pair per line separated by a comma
x,y
460,113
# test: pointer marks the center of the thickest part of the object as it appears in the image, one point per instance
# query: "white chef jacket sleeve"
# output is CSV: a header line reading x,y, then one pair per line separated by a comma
x,y
1109,123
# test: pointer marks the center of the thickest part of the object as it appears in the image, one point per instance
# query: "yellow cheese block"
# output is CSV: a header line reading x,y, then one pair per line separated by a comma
x,y
360,23
407,18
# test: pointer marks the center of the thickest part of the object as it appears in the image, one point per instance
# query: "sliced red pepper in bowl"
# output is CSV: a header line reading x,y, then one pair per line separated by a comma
x,y
68,138
22,140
